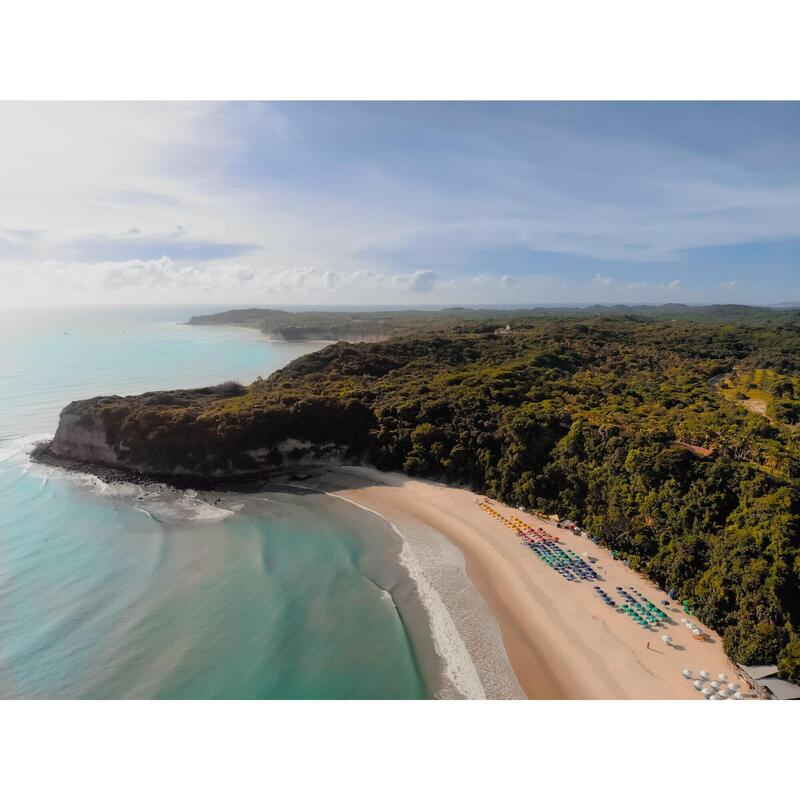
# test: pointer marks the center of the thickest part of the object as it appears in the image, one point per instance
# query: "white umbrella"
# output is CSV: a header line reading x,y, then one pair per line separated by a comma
x,y
704,675
724,693
723,677
714,685
708,691
738,696
698,685
666,639
714,697
696,631
687,673
734,687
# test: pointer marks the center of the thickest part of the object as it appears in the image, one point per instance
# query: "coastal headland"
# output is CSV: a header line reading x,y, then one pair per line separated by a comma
x,y
608,416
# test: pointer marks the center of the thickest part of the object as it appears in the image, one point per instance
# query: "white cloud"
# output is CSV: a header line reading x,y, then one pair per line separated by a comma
x,y
164,280
191,201
728,285
422,280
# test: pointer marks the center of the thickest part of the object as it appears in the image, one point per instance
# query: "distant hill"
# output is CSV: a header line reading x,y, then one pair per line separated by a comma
x,y
356,326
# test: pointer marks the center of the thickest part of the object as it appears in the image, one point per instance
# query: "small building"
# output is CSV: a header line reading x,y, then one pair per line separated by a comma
x,y
764,679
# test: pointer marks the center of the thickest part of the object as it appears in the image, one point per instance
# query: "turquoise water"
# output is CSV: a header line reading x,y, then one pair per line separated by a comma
x,y
115,591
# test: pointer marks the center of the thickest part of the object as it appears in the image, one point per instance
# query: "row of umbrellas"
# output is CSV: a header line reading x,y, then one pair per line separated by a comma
x,y
718,689
645,613
568,564
604,596
572,567
649,614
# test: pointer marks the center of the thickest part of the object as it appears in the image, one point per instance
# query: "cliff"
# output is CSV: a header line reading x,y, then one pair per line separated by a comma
x,y
225,431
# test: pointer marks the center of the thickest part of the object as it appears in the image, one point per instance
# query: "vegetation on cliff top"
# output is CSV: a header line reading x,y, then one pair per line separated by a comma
x,y
608,419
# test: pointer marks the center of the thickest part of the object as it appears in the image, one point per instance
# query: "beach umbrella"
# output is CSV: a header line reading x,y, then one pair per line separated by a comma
x,y
708,692
738,696
687,673
696,631
714,697
698,685
704,675
714,685
667,640
724,693
723,677
734,687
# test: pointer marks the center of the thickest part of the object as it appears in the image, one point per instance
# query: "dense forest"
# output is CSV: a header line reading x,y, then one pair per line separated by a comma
x,y
630,423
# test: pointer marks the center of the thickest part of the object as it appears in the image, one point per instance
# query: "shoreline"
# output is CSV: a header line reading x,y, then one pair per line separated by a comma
x,y
465,636
446,619
561,641
271,337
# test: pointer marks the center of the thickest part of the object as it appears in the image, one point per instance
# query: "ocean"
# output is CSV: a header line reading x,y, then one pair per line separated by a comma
x,y
115,591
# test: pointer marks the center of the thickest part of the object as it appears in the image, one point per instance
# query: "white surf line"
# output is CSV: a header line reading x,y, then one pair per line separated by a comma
x,y
449,645
18,445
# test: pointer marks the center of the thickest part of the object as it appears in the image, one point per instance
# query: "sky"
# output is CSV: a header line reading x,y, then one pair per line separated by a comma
x,y
399,203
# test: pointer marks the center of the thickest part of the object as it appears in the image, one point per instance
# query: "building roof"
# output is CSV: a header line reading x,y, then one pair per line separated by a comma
x,y
765,676
783,690
759,671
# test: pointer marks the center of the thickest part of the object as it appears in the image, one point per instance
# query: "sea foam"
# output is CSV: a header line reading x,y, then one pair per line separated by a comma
x,y
158,501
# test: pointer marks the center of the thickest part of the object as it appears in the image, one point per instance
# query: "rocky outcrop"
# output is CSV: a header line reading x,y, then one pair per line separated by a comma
x,y
224,432
82,437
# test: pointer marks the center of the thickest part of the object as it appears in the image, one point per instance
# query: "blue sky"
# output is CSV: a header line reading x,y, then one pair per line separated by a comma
x,y
400,203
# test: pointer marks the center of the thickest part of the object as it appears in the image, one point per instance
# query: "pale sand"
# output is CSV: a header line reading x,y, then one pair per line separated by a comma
x,y
561,640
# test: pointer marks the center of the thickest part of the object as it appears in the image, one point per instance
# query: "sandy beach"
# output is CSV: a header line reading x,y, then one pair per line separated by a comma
x,y
561,640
